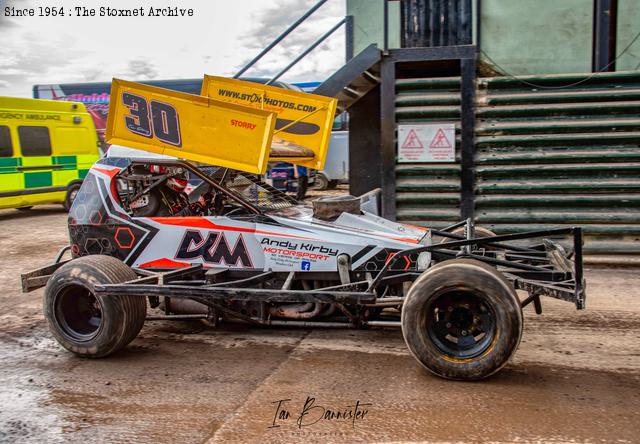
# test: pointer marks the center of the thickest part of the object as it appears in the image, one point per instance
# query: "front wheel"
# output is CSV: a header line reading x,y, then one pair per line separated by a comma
x,y
462,320
84,323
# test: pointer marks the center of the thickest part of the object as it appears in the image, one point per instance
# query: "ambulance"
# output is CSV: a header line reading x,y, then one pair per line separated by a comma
x,y
46,149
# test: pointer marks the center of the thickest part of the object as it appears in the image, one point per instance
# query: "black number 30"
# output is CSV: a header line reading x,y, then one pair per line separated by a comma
x,y
162,122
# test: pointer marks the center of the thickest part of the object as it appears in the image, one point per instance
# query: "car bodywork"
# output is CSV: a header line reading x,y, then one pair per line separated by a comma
x,y
284,238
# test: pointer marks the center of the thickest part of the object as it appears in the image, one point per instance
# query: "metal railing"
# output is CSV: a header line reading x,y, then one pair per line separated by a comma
x,y
285,33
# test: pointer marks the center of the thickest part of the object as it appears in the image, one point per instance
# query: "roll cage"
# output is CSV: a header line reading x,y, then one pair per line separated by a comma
x,y
247,190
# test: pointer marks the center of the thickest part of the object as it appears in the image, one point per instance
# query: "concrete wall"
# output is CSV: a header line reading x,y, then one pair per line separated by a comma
x,y
368,25
628,28
538,37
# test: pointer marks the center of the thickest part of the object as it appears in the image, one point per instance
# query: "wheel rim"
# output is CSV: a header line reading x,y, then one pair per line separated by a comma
x,y
320,183
461,324
78,313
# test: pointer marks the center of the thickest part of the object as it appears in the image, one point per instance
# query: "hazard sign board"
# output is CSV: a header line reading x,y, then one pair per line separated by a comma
x,y
433,142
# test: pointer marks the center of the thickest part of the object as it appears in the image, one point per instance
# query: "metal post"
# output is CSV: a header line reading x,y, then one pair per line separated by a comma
x,y
387,138
307,51
478,25
349,37
467,137
604,31
385,15
578,272
280,37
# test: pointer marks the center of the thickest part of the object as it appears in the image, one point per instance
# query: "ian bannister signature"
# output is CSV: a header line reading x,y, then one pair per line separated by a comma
x,y
312,413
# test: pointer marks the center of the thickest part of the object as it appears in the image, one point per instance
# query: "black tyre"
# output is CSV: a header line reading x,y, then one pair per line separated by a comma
x,y
89,325
333,184
462,320
72,191
321,182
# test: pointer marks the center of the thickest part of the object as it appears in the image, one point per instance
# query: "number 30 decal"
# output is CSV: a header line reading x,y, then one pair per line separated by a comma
x,y
162,122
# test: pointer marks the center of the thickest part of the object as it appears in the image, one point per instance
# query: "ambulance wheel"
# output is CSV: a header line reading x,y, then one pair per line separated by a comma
x,y
462,320
72,191
87,324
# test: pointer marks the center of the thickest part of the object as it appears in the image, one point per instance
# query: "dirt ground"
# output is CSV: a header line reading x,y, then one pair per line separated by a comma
x,y
575,377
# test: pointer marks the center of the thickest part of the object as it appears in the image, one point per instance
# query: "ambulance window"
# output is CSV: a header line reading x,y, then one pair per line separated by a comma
x,y
35,140
6,149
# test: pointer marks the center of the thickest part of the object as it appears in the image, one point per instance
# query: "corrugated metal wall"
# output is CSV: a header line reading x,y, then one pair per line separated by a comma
x,y
561,156
544,157
429,194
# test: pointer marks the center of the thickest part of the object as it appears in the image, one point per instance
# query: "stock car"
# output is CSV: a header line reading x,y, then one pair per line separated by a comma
x,y
256,255
233,248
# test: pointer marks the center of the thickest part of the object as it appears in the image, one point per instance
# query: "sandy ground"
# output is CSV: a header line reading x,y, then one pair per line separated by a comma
x,y
575,378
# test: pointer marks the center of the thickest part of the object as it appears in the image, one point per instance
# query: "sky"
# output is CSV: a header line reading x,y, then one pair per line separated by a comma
x,y
219,39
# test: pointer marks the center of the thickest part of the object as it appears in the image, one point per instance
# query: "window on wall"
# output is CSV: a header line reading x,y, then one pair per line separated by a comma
x,y
6,147
34,140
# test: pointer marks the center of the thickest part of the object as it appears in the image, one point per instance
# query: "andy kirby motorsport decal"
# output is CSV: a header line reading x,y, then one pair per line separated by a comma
x,y
289,255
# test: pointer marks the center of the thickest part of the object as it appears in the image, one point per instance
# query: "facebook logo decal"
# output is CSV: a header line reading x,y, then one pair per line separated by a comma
x,y
305,265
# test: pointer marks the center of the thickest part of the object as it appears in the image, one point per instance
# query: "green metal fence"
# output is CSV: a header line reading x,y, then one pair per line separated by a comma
x,y
545,155
429,194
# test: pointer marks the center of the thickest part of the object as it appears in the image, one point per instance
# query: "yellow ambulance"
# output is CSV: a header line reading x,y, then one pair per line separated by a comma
x,y
46,149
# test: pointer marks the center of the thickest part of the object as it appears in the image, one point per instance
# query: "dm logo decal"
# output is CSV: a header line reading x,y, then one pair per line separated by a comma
x,y
213,249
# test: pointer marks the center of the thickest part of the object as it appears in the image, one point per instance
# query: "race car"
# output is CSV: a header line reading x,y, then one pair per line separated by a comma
x,y
236,249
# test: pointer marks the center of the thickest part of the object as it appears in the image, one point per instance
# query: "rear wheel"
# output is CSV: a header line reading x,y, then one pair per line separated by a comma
x,y
321,182
84,323
462,320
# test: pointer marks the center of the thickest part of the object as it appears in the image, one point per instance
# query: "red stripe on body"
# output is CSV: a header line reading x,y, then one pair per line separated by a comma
x,y
110,173
164,263
202,222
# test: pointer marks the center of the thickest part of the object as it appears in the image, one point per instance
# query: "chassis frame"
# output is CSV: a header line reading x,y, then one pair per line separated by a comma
x,y
540,269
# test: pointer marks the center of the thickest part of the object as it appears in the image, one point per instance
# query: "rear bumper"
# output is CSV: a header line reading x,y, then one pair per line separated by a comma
x,y
541,269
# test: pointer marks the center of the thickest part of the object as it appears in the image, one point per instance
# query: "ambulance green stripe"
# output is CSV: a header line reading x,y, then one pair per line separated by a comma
x,y
39,179
8,165
67,162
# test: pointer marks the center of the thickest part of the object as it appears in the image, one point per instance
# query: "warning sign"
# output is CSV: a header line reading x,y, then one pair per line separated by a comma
x,y
426,142
440,140
412,141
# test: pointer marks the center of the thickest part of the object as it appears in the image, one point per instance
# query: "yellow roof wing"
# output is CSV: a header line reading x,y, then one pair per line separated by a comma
x,y
190,127
304,121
